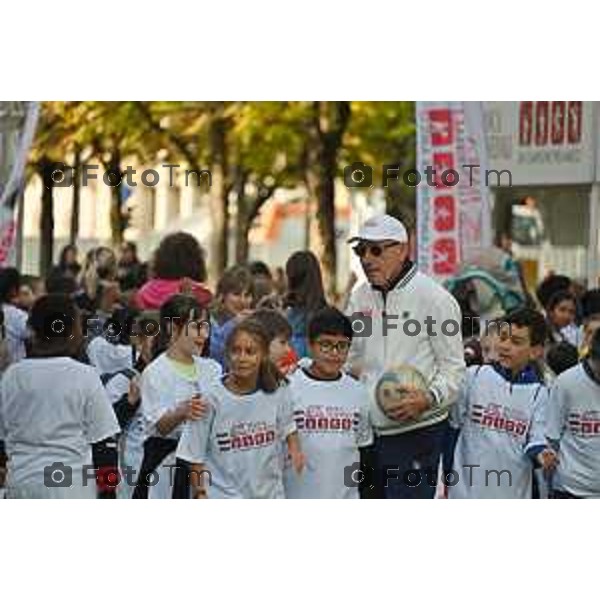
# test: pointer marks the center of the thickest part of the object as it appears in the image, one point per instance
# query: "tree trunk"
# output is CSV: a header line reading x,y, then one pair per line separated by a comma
x,y
46,218
219,194
248,210
329,123
116,217
75,209
400,202
242,247
117,222
400,199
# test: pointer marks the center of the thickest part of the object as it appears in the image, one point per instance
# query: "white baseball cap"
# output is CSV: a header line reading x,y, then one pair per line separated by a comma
x,y
381,228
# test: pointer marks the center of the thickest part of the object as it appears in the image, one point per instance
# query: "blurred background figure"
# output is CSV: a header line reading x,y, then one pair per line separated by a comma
x,y
560,357
305,296
131,272
178,266
279,282
590,313
560,316
30,290
233,302
99,273
263,288
15,327
67,263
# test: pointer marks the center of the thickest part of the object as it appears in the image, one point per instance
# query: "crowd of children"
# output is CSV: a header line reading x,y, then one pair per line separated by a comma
x,y
124,380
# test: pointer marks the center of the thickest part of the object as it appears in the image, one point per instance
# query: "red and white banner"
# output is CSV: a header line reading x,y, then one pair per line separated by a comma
x,y
453,208
17,128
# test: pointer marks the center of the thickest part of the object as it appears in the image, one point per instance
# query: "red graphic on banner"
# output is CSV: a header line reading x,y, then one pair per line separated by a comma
x,y
541,123
445,256
7,237
440,123
442,161
444,213
557,135
525,123
574,122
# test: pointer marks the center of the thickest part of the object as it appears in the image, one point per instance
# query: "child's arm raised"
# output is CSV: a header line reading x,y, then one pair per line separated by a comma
x,y
193,448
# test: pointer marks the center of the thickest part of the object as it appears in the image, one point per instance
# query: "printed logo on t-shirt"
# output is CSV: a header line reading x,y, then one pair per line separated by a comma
x,y
585,423
503,419
247,435
327,419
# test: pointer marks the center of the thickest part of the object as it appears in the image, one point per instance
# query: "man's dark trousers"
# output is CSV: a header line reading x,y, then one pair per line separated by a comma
x,y
404,466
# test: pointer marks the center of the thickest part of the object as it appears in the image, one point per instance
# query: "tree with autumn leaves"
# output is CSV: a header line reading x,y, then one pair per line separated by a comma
x,y
250,148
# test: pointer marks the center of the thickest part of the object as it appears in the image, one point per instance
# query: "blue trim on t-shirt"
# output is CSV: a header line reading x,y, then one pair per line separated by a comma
x,y
528,375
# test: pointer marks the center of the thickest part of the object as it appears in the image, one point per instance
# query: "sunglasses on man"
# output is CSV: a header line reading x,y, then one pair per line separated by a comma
x,y
361,250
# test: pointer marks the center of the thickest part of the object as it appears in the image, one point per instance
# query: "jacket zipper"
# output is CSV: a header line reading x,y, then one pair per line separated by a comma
x,y
383,318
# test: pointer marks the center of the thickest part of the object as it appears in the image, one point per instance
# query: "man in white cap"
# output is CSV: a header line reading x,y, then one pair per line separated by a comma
x,y
408,350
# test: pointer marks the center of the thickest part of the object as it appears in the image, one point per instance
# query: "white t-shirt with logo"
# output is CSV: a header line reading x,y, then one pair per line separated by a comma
x,y
240,443
499,422
332,418
51,411
574,422
162,389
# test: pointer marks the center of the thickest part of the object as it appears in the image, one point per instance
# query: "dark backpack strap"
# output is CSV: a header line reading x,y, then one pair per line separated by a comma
x,y
156,449
106,377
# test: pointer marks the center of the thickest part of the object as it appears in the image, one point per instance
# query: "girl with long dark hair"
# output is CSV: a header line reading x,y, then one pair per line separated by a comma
x,y
172,388
305,296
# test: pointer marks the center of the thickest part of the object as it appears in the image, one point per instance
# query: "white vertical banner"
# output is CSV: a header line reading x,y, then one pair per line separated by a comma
x,y
17,129
453,208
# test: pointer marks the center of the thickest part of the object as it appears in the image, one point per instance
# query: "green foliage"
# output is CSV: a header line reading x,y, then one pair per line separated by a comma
x,y
266,144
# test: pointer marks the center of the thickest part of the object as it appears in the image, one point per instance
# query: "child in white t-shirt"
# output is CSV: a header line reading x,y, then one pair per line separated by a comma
x,y
238,445
573,427
331,413
500,415
122,386
52,409
172,386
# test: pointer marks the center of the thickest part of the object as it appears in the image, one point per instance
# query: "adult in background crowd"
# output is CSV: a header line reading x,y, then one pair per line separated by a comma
x,y
98,286
131,271
409,437
178,266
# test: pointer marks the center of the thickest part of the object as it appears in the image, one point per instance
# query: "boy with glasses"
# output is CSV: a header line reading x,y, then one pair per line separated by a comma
x,y
331,413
